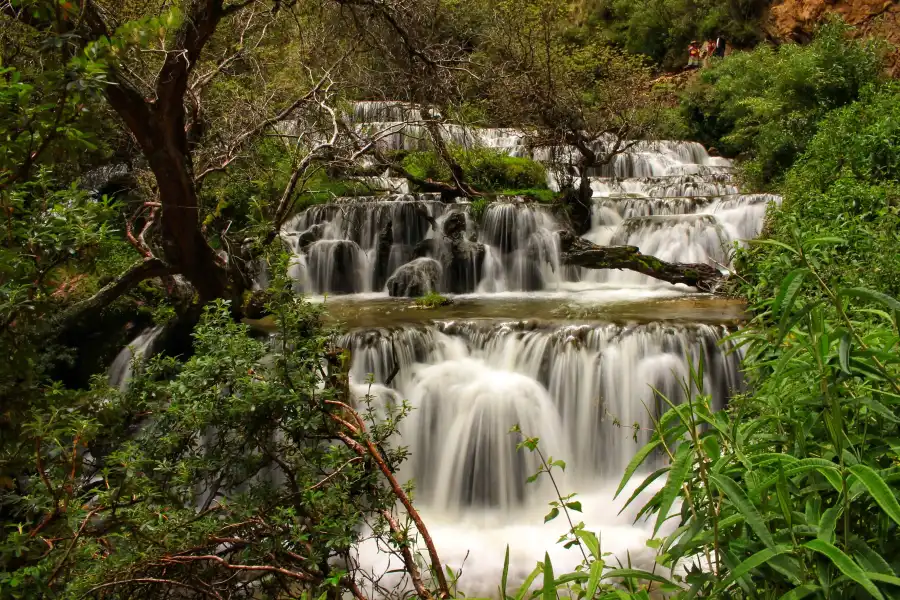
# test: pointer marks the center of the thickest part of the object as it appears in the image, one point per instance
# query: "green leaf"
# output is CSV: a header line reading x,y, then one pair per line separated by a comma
x,y
677,474
636,462
844,353
770,242
504,577
526,585
635,574
647,481
828,523
866,294
800,592
594,580
551,515
745,507
787,293
549,592
575,505
884,578
846,565
757,560
880,409
590,540
879,490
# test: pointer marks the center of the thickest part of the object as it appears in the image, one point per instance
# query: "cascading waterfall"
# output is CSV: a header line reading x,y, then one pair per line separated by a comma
x,y
670,199
523,248
570,385
585,389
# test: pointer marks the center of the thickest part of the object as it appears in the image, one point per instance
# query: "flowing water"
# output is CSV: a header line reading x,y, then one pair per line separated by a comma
x,y
571,355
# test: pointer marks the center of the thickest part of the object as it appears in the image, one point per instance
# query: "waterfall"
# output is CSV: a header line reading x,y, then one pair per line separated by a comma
x,y
122,367
586,391
580,388
585,388
671,199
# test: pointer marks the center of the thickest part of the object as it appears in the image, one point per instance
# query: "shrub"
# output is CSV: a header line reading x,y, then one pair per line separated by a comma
x,y
846,186
662,29
766,104
790,492
487,169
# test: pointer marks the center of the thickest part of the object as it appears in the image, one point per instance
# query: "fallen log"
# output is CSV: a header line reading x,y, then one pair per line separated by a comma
x,y
579,252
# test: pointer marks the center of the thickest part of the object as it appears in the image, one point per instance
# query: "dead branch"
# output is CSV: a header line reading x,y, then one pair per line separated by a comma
x,y
581,253
367,447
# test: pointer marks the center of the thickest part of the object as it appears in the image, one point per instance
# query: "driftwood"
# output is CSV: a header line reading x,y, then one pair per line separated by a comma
x,y
579,252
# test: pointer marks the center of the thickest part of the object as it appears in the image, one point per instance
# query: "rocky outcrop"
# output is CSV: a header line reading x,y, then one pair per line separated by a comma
x,y
797,20
464,259
416,278
383,255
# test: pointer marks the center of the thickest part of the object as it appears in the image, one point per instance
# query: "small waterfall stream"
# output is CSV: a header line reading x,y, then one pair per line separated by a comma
x,y
584,388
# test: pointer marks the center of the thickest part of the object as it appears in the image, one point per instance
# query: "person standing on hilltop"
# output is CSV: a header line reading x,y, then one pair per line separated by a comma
x,y
709,51
721,43
693,55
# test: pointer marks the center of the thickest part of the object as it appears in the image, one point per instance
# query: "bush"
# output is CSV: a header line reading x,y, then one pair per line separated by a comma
x,y
486,169
766,104
662,29
790,492
846,186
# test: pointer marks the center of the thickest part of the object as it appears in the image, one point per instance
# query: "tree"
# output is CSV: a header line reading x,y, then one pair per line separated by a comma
x,y
158,79
588,101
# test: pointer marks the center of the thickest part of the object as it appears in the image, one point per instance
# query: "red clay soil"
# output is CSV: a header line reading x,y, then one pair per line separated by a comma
x,y
797,19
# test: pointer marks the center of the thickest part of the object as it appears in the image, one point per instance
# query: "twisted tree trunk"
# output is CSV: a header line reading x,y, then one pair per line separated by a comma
x,y
579,252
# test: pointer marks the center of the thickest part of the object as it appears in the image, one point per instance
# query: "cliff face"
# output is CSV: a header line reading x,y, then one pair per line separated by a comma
x,y
796,20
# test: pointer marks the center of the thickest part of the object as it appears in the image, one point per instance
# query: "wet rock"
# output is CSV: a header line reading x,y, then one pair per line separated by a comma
x,y
455,225
383,255
415,278
313,234
463,266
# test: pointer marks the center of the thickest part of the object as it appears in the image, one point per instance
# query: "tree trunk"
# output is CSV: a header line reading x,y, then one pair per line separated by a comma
x,y
582,253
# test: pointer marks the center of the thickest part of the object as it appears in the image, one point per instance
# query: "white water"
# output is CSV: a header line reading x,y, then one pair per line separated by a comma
x,y
584,390
123,366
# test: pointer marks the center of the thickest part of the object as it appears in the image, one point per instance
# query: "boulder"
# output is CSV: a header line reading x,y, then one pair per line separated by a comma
x,y
313,234
416,278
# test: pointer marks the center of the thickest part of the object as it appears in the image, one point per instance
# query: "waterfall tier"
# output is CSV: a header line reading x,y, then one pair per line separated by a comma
x,y
585,390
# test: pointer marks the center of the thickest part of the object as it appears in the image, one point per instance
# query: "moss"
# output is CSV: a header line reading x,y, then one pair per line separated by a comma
x,y
542,195
487,169
433,300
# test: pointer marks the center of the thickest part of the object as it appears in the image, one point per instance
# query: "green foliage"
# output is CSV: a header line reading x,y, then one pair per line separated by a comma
x,y
321,188
544,195
662,29
224,448
790,489
486,169
432,300
477,208
593,577
766,104
846,187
